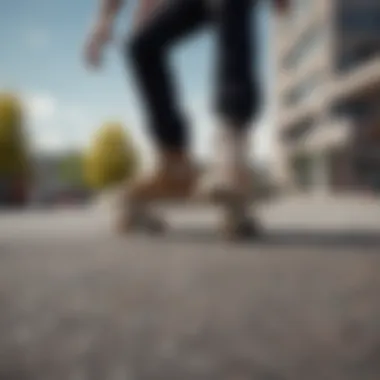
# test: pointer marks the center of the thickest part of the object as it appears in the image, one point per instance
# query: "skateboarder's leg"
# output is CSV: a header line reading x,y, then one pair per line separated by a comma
x,y
149,51
237,104
237,93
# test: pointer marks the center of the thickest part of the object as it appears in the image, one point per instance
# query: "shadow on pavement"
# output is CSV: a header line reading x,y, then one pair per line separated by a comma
x,y
287,238
326,239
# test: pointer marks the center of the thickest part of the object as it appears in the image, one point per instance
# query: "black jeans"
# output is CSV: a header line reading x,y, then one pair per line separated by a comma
x,y
237,95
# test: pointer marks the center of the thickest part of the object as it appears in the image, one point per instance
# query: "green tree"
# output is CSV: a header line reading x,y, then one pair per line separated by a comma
x,y
14,157
112,157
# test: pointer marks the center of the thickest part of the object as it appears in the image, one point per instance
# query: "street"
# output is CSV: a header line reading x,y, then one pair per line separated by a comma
x,y
78,302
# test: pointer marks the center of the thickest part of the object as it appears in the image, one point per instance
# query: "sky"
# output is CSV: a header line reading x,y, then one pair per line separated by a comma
x,y
41,47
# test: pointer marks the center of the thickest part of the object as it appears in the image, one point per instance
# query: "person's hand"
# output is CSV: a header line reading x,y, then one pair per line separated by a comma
x,y
98,39
282,6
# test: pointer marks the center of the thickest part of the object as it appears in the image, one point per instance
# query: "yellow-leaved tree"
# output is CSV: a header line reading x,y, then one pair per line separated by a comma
x,y
14,161
111,158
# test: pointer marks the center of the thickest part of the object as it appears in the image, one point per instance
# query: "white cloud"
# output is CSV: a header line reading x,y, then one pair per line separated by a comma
x,y
40,107
56,125
49,141
51,124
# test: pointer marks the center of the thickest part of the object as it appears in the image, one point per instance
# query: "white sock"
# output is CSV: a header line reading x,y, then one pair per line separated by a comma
x,y
231,155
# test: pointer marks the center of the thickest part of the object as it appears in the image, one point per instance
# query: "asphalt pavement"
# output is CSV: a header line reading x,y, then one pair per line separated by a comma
x,y
78,302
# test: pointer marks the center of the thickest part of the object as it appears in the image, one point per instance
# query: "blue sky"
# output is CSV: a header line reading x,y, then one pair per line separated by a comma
x,y
41,47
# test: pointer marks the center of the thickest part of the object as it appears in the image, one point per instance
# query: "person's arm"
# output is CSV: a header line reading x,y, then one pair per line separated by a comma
x,y
102,30
109,9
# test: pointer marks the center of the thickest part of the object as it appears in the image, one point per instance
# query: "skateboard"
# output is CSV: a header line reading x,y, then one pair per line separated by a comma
x,y
236,224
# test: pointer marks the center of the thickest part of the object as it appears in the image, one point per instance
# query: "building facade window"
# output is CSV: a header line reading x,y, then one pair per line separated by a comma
x,y
359,110
296,131
355,56
299,9
303,90
360,19
302,168
310,41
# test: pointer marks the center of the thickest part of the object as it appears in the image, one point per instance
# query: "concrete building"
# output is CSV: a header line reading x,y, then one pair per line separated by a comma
x,y
328,94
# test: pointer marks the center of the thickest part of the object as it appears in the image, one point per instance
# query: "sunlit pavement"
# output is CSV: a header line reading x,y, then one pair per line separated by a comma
x,y
78,302
294,215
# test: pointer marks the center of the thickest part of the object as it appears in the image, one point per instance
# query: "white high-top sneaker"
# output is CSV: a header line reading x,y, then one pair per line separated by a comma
x,y
229,174
229,182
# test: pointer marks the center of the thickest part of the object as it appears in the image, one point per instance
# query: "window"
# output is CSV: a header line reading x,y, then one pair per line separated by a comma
x,y
358,109
310,41
298,11
298,130
302,168
361,18
304,90
357,55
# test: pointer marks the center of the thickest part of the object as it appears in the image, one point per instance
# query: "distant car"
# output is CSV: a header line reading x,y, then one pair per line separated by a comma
x,y
74,196
60,196
13,193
